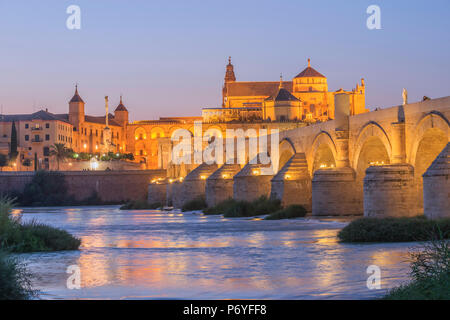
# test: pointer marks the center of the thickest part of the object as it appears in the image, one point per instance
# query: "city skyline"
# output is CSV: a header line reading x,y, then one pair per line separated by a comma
x,y
166,61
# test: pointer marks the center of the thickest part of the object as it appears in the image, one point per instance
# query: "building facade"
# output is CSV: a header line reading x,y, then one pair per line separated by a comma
x,y
305,98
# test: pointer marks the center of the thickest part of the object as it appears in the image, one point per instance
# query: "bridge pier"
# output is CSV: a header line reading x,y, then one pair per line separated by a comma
x,y
390,191
157,192
251,183
193,185
292,184
335,192
436,187
219,186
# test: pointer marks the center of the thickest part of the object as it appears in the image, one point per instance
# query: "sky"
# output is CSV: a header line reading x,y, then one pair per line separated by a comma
x,y
168,58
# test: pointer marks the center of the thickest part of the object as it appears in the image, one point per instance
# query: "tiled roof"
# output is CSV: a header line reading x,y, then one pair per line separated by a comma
x,y
39,115
121,107
256,88
310,72
101,120
284,95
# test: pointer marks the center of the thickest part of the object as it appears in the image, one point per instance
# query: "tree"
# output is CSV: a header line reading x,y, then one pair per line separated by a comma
x,y
13,146
59,151
3,161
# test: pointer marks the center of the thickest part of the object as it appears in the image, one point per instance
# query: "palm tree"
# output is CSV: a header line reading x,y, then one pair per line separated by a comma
x,y
59,151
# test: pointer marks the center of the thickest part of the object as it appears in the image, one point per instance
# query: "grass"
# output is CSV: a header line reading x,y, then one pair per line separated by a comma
x,y
198,203
292,211
19,237
430,274
141,205
232,208
15,281
393,229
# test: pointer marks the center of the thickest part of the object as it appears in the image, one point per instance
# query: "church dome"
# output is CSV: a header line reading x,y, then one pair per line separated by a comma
x,y
309,72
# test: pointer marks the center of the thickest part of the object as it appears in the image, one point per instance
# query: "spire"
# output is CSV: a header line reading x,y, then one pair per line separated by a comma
x,y
76,97
281,81
229,74
121,107
309,63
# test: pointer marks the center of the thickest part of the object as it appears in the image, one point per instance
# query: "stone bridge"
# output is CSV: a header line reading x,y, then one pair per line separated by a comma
x,y
371,163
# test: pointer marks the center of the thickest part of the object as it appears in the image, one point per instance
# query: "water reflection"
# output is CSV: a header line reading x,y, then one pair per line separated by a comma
x,y
152,254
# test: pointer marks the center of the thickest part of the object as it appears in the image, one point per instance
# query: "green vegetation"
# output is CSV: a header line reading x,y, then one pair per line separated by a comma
x,y
16,236
141,205
430,274
220,208
45,189
393,229
3,161
60,152
198,203
15,281
292,211
103,157
48,188
13,145
232,208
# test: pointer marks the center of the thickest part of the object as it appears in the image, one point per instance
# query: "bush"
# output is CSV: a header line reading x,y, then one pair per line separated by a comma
x,y
15,281
141,205
195,204
16,236
292,211
393,229
45,189
430,274
260,206
220,208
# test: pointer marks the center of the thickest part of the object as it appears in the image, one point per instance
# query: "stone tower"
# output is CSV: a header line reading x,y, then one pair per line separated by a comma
x,y
229,77
76,110
121,114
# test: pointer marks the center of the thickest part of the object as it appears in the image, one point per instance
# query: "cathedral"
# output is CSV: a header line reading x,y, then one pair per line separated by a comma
x,y
306,98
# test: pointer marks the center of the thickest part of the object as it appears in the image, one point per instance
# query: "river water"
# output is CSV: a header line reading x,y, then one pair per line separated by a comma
x,y
160,255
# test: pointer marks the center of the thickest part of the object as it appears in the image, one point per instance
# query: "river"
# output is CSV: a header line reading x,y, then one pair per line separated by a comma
x,y
173,255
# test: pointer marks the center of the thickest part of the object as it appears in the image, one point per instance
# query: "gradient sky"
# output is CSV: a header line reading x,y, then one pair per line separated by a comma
x,y
168,57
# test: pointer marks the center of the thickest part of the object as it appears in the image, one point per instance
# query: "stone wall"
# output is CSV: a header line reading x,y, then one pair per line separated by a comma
x,y
334,193
111,186
389,191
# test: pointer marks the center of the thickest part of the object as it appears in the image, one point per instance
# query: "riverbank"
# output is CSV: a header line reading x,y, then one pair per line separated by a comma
x,y
19,237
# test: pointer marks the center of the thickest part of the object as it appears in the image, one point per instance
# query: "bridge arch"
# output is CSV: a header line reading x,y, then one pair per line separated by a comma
x,y
286,151
431,135
323,152
372,147
432,124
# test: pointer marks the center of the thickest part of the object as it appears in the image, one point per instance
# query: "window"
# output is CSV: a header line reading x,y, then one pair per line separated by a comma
x,y
46,151
27,137
47,125
47,137
26,126
36,137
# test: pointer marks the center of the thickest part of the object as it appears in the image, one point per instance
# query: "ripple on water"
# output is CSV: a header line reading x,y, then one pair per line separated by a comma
x,y
172,255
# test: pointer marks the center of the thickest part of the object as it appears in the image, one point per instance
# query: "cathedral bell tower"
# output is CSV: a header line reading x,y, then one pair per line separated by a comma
x,y
229,77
